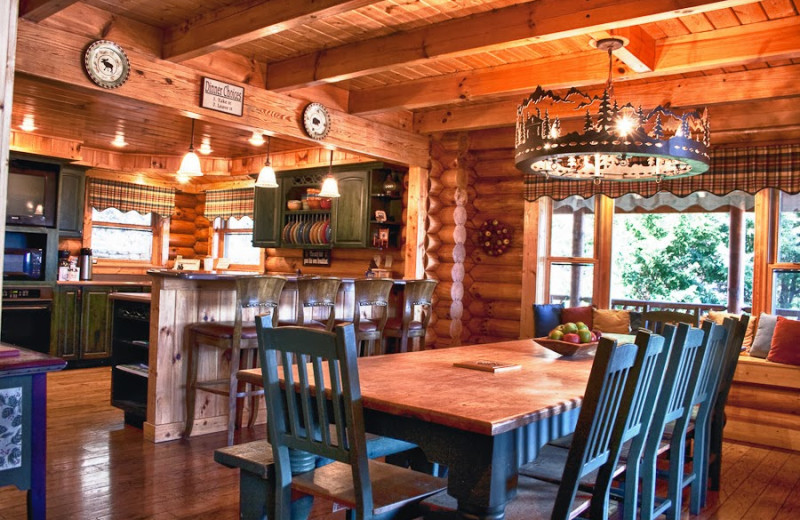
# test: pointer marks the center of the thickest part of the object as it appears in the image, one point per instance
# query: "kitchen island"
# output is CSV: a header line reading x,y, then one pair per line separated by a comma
x,y
180,298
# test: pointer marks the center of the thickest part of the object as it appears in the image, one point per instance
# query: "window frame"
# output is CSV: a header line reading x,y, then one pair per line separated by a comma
x,y
158,254
219,227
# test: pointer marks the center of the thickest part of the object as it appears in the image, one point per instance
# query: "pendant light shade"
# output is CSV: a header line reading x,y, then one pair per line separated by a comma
x,y
190,165
330,188
266,177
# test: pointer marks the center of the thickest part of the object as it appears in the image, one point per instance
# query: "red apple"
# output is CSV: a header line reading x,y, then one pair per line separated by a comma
x,y
571,338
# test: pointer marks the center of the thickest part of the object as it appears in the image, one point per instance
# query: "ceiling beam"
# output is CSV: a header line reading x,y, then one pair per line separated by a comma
x,y
38,10
745,86
177,87
708,50
522,24
243,22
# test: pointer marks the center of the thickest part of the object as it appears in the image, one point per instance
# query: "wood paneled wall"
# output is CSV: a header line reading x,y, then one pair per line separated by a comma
x,y
473,179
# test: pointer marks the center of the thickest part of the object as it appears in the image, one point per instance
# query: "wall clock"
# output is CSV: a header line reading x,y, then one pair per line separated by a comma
x,y
316,120
106,64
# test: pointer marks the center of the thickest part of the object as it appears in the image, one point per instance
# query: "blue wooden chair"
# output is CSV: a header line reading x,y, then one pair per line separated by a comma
x,y
551,460
673,405
607,403
316,363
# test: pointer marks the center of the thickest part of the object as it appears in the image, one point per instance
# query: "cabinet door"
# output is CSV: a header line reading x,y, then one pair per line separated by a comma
x,y
65,323
266,217
95,323
350,219
70,202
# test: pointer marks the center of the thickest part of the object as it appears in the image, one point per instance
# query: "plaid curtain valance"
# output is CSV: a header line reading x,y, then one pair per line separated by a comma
x,y
745,169
236,202
126,196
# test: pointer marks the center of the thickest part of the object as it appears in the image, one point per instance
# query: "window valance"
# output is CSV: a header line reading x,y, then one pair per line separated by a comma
x,y
746,169
237,202
126,196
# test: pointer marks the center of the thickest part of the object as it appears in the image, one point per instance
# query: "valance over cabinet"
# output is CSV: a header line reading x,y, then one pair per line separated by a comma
x,y
126,196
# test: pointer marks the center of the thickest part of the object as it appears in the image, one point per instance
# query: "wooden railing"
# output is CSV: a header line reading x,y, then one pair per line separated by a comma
x,y
696,309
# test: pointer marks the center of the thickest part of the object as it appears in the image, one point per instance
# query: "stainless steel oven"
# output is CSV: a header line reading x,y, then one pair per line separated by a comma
x,y
26,316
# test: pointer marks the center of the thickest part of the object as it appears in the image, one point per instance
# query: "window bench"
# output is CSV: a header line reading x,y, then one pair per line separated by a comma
x,y
764,404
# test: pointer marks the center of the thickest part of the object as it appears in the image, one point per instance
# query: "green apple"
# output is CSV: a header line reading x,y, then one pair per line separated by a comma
x,y
581,325
555,334
585,335
570,328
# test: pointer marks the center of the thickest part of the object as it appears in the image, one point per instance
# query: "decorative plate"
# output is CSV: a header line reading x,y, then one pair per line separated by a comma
x,y
566,348
316,120
106,64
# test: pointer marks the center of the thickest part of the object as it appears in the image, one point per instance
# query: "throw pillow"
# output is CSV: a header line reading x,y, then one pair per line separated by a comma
x,y
763,337
636,321
576,314
718,317
750,333
613,321
546,317
785,346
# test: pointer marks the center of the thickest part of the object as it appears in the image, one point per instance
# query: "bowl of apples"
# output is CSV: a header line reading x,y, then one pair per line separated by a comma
x,y
570,338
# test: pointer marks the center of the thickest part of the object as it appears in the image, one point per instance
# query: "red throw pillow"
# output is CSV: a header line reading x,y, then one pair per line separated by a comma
x,y
785,346
576,314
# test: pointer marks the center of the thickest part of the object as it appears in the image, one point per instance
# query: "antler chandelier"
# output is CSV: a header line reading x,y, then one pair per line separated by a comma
x,y
621,143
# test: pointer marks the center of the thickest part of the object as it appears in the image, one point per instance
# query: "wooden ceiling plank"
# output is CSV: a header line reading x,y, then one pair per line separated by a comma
x,y
237,24
38,10
778,8
780,39
750,13
176,88
540,20
682,92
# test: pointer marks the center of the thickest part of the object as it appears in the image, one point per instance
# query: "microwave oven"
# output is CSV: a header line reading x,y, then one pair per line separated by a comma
x,y
22,264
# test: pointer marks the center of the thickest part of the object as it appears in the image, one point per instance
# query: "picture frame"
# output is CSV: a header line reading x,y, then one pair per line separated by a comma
x,y
380,216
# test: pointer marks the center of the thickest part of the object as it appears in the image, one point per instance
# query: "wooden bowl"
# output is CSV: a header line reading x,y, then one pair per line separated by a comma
x,y
313,203
293,205
566,348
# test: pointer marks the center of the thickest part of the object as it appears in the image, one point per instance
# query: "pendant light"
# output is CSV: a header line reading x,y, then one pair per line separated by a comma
x,y
329,186
266,177
190,165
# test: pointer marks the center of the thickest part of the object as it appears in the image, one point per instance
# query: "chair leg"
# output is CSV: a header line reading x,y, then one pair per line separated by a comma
x,y
699,470
648,471
234,411
191,382
677,457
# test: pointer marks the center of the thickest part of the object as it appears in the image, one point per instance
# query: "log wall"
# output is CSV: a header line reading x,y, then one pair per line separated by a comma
x,y
189,230
473,179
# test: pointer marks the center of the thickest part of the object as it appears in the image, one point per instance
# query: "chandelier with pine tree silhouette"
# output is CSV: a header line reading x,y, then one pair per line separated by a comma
x,y
621,142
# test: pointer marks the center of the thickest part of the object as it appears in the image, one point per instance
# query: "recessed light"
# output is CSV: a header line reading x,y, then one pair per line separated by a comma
x,y
27,123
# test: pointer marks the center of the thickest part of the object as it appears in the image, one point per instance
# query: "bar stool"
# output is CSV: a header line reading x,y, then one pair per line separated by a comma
x,y
256,295
417,301
371,300
317,293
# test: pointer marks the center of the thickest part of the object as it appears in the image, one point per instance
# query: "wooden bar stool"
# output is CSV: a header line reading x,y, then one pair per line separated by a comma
x,y
371,300
258,295
417,300
318,294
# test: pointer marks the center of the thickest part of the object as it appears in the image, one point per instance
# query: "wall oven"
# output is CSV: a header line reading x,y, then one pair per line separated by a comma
x,y
26,317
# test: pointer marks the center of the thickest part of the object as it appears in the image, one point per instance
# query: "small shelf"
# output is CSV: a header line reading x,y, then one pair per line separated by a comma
x,y
308,212
138,369
140,344
387,223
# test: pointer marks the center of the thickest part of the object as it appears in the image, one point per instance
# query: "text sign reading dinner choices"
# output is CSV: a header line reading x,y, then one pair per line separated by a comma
x,y
222,97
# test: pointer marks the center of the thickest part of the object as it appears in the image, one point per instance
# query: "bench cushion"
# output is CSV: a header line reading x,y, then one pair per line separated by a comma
x,y
785,347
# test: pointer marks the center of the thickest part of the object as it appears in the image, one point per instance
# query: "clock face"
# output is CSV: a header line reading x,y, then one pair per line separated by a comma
x,y
316,121
106,64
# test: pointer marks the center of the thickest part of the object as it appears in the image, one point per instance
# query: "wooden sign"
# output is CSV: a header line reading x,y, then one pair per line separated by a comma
x,y
222,97
318,257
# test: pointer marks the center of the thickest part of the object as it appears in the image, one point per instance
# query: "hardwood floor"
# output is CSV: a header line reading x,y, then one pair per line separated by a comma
x,y
98,468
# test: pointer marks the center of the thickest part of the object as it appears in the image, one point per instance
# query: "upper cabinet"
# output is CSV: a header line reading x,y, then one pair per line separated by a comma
x,y
70,201
294,216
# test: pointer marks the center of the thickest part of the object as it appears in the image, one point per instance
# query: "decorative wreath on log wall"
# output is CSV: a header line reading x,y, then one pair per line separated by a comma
x,y
494,237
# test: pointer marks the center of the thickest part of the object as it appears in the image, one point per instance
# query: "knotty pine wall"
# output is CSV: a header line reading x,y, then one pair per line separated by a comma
x,y
473,179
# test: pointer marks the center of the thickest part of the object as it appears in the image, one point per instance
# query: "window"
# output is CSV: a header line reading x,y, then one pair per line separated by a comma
x,y
123,236
235,241
786,272
571,258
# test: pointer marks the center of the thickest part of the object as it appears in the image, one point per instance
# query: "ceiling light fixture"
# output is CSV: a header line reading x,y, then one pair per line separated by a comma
x,y
623,143
257,139
119,140
330,188
190,165
27,123
205,146
266,177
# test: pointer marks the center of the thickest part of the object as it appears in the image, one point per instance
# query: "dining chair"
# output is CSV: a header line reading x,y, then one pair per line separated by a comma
x,y
655,320
370,312
612,389
718,415
417,302
674,405
254,295
551,459
319,363
317,296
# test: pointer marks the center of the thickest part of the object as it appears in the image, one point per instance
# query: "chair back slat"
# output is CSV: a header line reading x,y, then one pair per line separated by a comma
x,y
716,341
732,351
684,373
656,320
322,409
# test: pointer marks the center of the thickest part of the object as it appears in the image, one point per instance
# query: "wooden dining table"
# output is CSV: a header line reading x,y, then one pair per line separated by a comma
x,y
481,424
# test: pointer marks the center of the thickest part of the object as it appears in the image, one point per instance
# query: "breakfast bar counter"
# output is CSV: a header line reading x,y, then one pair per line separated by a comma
x,y
180,298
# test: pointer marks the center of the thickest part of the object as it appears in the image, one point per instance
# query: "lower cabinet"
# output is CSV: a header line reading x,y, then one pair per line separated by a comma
x,y
130,336
81,322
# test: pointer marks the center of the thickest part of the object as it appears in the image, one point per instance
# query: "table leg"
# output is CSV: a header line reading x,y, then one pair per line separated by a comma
x,y
36,493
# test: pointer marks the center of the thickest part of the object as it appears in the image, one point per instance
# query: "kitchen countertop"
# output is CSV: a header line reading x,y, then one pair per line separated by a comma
x,y
106,282
227,275
131,296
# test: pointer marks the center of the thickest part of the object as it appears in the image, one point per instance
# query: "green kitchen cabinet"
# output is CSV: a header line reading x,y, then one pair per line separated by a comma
x,y
267,217
349,218
70,201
